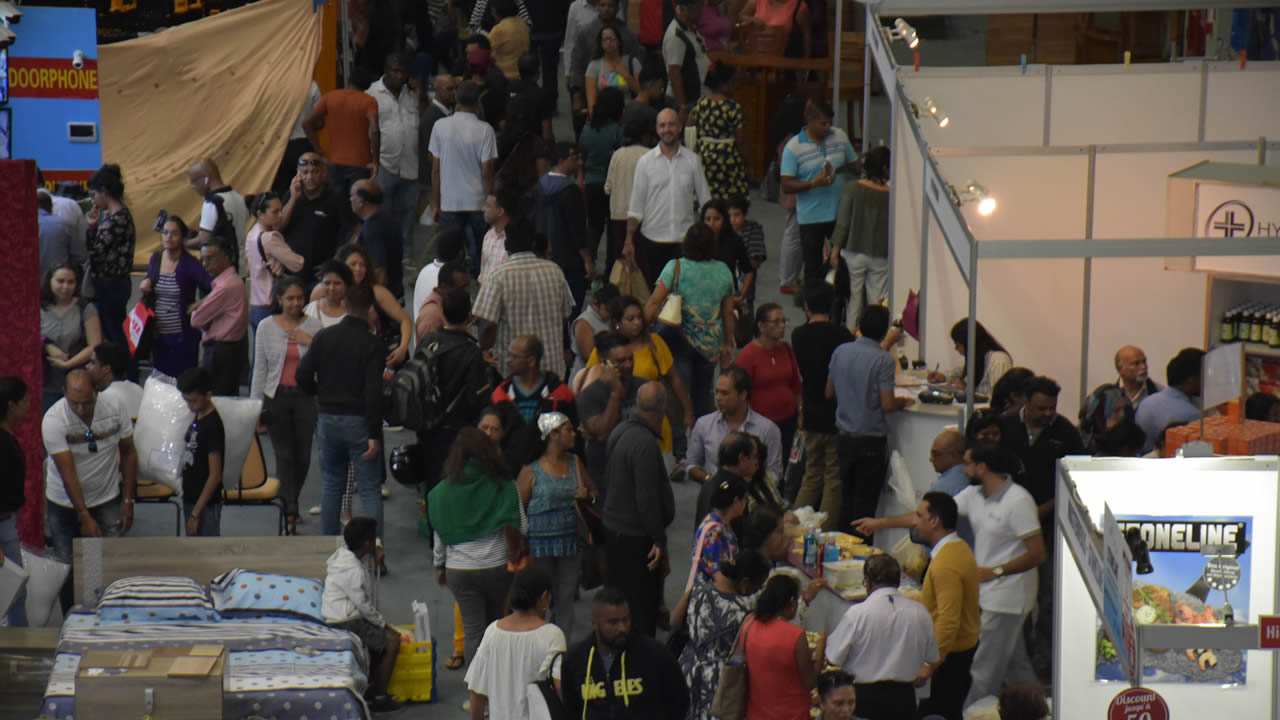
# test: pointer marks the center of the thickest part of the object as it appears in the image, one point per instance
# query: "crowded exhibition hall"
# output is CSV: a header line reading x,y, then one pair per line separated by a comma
x,y
640,359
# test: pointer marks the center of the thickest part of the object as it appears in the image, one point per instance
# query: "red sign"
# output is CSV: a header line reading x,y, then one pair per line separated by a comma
x,y
52,78
1269,632
1138,704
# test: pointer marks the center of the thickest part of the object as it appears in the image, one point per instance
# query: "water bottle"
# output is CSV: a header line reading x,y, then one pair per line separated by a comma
x,y
810,548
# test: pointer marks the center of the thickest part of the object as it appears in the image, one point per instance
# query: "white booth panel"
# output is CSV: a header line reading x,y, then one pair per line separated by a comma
x,y
1105,104
1174,488
1131,189
1037,197
906,196
1135,301
1243,105
968,99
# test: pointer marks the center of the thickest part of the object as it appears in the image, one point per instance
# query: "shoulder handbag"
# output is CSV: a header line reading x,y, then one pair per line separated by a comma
x,y
673,309
544,702
591,517
730,701
679,636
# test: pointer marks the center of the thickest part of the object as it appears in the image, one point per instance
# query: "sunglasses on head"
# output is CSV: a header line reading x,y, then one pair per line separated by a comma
x,y
303,162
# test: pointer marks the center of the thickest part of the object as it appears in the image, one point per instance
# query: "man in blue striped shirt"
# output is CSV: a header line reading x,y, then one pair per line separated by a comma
x,y
809,164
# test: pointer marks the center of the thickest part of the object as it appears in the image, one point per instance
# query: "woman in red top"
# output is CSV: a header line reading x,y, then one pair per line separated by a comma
x,y
782,671
775,375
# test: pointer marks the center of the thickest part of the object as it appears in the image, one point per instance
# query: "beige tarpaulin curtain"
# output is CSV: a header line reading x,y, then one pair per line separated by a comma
x,y
229,86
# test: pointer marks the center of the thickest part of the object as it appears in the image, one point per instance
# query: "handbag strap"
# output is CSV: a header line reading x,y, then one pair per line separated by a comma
x,y
675,289
697,555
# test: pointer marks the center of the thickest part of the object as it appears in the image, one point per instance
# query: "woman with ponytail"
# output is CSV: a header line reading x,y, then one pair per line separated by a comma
x,y
783,670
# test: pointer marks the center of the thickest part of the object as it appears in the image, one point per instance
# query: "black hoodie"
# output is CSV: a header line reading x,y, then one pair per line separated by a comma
x,y
643,682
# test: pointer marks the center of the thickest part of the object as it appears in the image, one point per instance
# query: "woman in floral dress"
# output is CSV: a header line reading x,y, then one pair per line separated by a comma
x,y
720,123
716,612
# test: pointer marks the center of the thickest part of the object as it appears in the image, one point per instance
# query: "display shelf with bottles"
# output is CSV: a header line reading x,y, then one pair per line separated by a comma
x,y
1246,309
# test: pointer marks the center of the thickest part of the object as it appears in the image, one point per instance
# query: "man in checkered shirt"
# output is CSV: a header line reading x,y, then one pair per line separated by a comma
x,y
525,295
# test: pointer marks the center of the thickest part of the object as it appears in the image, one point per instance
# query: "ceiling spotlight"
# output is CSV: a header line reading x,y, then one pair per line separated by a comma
x,y
931,109
973,192
904,32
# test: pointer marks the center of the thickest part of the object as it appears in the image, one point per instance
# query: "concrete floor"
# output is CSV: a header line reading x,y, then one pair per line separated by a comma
x,y
409,559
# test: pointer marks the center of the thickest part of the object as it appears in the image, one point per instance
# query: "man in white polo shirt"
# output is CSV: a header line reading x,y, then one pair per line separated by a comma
x,y
1008,548
91,463
668,180
463,149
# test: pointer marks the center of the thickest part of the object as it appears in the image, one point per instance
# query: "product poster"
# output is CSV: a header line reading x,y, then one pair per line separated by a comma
x,y
1176,592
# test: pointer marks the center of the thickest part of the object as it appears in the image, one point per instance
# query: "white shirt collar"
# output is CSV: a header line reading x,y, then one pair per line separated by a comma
x,y
951,537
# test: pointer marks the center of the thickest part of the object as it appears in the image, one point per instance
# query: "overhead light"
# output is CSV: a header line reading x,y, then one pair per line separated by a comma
x,y
904,32
931,109
973,192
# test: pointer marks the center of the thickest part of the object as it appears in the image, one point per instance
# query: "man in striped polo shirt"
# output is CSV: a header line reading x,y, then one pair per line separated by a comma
x,y
809,163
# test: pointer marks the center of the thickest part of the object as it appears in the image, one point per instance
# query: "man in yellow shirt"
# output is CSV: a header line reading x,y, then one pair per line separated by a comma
x,y
951,595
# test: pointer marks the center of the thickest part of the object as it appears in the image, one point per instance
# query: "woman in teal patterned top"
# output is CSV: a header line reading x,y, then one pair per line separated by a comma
x,y
549,486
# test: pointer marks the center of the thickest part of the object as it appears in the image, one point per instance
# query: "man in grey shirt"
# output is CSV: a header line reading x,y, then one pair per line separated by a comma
x,y
605,403
733,394
639,507
860,378
59,244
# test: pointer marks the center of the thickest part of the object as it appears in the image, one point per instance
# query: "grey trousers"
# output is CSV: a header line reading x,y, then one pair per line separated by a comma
x,y
564,582
482,598
1002,656
792,253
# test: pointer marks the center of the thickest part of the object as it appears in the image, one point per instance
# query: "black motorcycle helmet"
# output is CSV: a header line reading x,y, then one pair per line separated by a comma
x,y
406,465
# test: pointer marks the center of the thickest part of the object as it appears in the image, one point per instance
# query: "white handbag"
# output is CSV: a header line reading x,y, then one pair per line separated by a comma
x,y
672,312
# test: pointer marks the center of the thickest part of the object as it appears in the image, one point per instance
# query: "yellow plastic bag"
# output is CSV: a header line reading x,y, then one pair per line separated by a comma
x,y
629,281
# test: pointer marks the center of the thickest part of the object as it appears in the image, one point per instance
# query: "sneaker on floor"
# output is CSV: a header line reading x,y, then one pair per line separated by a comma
x,y
386,492
315,510
386,704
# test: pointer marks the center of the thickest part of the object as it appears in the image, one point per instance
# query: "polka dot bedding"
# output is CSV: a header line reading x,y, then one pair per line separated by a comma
x,y
240,592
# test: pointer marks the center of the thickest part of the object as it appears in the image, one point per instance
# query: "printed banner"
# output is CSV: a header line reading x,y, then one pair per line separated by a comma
x,y
1179,592
53,78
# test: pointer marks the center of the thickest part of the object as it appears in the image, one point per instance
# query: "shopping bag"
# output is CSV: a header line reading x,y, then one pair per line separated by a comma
x,y
629,281
911,315
730,700
139,328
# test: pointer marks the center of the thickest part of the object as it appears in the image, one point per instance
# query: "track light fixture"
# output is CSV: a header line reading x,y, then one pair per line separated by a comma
x,y
931,109
904,32
973,192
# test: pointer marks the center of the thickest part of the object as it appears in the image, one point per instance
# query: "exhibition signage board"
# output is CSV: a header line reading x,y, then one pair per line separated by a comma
x,y
1081,538
1269,632
1117,594
1138,703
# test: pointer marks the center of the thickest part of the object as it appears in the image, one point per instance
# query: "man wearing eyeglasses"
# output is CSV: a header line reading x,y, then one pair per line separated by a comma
x,y
91,474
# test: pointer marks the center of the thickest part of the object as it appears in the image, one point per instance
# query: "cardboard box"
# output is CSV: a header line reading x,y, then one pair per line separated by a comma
x,y
185,683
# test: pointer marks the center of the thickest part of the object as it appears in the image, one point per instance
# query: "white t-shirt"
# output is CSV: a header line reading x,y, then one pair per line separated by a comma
x,y
1001,523
428,276
127,393
99,472
233,203
463,142
313,99
506,662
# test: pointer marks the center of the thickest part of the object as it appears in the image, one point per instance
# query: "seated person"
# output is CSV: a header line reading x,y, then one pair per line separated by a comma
x,y
347,605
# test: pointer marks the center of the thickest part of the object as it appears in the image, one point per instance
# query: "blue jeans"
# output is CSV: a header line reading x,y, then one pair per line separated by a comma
x,y
400,198
343,439
473,227
210,519
63,526
17,616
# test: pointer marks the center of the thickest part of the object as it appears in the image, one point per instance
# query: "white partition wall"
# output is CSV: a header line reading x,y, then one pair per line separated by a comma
x,y
1133,127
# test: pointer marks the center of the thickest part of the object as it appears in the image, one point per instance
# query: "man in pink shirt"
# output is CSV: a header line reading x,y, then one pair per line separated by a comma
x,y
223,318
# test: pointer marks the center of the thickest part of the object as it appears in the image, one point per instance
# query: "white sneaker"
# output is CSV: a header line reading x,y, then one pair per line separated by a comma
x,y
315,510
466,706
386,492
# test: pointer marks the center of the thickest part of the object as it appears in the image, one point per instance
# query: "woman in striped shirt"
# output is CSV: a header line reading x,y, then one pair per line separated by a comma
x,y
173,276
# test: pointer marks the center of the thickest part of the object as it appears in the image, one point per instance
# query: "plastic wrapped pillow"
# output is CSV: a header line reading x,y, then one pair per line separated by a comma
x,y
47,577
240,422
160,433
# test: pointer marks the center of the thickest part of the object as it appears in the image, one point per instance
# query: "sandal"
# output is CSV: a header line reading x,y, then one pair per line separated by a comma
x,y
455,662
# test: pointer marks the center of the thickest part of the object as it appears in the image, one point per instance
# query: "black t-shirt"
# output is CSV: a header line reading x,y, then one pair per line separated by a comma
x,y
380,235
205,436
315,230
534,96
593,401
731,250
814,343
12,491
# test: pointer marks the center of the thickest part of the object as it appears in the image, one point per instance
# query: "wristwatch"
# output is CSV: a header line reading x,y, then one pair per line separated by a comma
x,y
128,501
998,571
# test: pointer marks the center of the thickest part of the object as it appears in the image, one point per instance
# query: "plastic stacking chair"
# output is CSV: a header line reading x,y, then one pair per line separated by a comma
x,y
255,487
155,493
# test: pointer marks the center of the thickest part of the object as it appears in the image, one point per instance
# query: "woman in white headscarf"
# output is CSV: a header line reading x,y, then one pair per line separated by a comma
x,y
549,488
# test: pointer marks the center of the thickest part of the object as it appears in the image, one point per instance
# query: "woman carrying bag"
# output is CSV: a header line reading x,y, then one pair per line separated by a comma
x,y
716,612
782,669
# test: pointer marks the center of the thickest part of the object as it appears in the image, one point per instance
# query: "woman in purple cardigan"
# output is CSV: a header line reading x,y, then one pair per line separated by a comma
x,y
173,277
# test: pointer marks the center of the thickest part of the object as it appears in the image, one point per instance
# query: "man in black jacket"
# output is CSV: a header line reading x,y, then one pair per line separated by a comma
x,y
343,369
618,675
561,215
463,377
638,507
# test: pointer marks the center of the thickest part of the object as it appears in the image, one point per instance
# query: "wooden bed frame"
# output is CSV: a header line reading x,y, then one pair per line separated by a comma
x,y
100,561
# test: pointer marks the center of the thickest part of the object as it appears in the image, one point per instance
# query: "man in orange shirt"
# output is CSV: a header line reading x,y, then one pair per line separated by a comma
x,y
354,137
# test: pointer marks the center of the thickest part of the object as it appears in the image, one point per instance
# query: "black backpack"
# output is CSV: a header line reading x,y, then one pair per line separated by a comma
x,y
224,228
417,400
